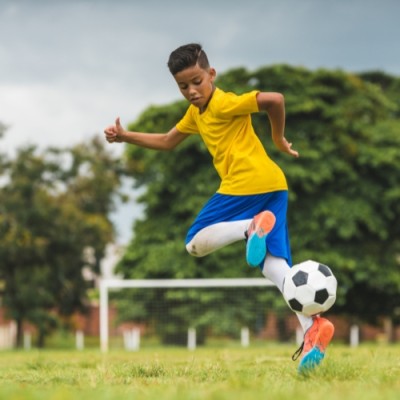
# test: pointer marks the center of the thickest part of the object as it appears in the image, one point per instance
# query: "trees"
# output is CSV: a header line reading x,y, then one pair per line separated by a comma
x,y
347,132
344,194
54,207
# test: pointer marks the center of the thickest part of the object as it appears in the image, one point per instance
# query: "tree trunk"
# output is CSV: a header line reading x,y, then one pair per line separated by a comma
x,y
41,339
19,340
388,329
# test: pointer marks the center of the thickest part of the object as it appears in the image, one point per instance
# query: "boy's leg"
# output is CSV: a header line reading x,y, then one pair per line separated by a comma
x,y
215,236
275,269
224,219
318,331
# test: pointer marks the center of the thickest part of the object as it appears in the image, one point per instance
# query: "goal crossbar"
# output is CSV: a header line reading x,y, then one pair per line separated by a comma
x,y
106,284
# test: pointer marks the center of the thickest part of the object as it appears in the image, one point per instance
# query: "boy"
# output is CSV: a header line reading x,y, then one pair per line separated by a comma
x,y
251,202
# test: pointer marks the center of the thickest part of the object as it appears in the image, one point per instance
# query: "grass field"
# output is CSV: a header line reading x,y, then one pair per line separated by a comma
x,y
262,372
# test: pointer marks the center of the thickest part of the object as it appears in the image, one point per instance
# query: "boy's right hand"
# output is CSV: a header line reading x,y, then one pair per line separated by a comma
x,y
114,133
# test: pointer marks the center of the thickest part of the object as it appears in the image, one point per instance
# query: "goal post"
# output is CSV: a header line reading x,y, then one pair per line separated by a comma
x,y
107,284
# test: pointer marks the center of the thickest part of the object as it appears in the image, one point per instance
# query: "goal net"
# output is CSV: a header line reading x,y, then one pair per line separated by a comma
x,y
189,311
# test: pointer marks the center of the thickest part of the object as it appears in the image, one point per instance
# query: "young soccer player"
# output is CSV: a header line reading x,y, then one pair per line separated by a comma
x,y
251,202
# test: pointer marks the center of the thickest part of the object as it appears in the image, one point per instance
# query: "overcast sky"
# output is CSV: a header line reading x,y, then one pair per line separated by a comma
x,y
68,68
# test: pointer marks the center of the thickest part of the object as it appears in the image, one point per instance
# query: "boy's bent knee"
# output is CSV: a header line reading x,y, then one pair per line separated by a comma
x,y
193,251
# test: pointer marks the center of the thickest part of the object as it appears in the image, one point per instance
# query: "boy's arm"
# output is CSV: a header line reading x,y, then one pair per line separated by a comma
x,y
156,141
274,105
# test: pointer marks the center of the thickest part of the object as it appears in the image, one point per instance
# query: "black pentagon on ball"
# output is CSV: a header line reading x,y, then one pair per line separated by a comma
x,y
321,296
324,270
295,305
300,278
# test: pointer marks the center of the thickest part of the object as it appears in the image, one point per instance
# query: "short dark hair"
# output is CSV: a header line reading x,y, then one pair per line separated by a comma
x,y
187,56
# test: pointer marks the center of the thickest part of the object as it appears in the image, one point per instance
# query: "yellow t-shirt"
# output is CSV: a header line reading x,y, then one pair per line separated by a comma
x,y
238,155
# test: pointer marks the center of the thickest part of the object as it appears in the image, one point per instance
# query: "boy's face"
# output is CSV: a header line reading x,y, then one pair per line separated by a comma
x,y
197,85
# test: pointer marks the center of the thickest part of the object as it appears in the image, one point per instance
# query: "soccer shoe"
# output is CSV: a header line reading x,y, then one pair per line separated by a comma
x,y
256,248
316,340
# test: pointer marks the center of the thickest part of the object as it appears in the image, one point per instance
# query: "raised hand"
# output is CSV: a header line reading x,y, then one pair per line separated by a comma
x,y
114,133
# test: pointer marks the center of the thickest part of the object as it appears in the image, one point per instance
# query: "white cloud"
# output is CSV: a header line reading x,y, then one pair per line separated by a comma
x,y
46,115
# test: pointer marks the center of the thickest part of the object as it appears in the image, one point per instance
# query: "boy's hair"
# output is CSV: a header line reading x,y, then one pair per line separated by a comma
x,y
187,56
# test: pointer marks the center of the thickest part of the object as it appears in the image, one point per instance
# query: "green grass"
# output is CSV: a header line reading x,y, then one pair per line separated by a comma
x,y
262,372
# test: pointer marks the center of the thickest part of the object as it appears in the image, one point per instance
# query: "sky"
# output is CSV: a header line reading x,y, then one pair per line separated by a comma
x,y
69,67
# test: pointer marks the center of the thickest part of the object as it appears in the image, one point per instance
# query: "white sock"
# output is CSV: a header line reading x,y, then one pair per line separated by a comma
x,y
275,269
215,236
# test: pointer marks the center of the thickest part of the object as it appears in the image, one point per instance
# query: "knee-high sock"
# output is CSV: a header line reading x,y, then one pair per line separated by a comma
x,y
275,269
215,236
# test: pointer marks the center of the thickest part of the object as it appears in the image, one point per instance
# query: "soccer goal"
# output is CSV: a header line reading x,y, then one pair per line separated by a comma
x,y
212,299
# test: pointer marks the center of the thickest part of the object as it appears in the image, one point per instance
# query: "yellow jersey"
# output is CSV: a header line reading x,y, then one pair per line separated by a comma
x,y
238,155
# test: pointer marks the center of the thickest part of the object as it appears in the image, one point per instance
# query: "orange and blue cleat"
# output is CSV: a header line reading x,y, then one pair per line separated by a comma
x,y
256,248
316,340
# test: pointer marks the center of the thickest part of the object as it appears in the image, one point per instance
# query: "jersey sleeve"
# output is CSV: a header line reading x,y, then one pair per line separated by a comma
x,y
188,124
233,105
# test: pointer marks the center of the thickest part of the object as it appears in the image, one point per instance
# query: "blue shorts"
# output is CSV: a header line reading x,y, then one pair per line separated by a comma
x,y
225,208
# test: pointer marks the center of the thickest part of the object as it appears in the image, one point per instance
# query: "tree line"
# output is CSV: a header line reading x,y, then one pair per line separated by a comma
x,y
344,208
54,224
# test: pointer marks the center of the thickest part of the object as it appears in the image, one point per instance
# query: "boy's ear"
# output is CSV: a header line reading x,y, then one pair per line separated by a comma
x,y
213,74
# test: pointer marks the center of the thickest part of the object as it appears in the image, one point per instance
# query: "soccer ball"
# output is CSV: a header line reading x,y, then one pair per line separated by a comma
x,y
310,288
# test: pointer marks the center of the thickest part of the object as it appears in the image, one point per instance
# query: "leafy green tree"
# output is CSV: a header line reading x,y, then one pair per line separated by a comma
x,y
345,199
54,208
344,192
